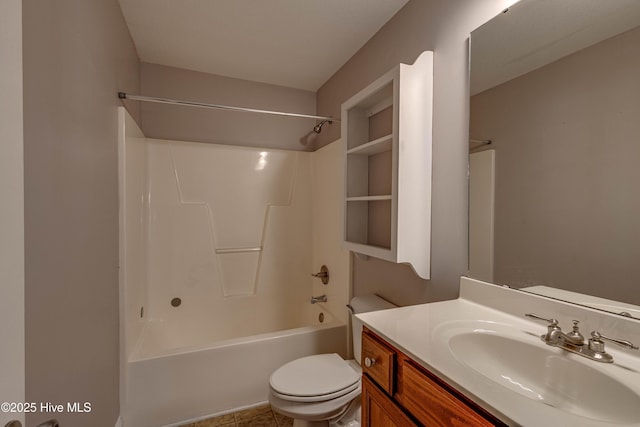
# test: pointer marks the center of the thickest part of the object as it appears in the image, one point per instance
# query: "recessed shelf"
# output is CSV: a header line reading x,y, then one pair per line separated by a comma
x,y
374,147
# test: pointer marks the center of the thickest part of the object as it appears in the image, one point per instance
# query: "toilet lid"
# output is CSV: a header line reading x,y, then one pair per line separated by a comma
x,y
316,375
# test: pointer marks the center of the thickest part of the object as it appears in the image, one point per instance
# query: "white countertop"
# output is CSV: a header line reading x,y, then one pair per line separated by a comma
x,y
418,332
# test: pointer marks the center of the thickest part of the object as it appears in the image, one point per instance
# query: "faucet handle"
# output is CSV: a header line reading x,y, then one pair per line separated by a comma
x,y
575,333
596,344
323,275
551,322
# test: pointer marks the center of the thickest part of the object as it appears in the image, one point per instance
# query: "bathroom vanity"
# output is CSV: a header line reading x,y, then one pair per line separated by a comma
x,y
478,360
396,390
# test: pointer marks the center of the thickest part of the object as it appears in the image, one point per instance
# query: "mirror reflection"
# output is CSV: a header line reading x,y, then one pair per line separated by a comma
x,y
555,151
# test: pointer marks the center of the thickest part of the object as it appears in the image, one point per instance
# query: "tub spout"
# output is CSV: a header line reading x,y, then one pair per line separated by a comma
x,y
321,298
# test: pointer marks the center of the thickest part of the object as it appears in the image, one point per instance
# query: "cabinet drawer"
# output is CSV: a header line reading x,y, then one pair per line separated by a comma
x,y
378,361
430,403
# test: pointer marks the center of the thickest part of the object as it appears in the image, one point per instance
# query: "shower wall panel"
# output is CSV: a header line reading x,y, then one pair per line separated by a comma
x,y
226,237
133,226
327,183
226,222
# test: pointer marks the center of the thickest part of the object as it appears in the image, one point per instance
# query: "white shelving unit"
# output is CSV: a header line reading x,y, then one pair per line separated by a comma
x,y
386,133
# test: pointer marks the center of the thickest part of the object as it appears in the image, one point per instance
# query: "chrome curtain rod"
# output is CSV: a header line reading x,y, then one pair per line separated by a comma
x,y
123,95
480,141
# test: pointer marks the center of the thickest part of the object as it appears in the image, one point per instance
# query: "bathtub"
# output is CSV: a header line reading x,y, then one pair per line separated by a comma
x,y
174,376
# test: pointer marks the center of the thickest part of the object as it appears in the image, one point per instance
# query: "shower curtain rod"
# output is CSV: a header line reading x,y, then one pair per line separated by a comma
x,y
480,141
123,95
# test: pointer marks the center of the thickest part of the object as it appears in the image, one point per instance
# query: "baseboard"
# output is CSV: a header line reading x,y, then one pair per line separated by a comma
x,y
217,414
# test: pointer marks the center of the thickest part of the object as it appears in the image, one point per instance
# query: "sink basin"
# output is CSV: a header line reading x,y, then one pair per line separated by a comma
x,y
523,364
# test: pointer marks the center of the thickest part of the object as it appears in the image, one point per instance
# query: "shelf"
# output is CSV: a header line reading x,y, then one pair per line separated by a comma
x,y
386,132
369,221
374,147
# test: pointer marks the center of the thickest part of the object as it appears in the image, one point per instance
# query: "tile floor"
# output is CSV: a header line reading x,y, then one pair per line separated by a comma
x,y
261,416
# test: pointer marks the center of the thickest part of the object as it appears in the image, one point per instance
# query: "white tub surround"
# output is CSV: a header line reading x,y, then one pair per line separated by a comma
x,y
327,176
568,390
164,338
224,221
214,230
217,245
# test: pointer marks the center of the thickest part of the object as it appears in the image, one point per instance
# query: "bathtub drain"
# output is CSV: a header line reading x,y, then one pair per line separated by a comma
x,y
321,317
176,302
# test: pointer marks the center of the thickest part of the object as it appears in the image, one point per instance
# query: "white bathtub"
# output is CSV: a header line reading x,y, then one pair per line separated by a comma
x,y
170,384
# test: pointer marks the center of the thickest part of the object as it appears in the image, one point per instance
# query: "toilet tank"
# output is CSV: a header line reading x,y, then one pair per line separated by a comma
x,y
364,304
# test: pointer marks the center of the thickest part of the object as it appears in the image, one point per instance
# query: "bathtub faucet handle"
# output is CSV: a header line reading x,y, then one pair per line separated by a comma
x,y
323,274
321,298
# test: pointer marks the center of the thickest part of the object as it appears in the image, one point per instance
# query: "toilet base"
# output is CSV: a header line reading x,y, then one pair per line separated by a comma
x,y
303,423
351,418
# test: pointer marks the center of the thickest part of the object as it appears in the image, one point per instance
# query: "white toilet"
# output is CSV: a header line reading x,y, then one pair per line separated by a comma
x,y
324,389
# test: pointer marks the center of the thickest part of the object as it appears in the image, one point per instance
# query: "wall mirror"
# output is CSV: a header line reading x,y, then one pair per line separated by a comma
x,y
555,151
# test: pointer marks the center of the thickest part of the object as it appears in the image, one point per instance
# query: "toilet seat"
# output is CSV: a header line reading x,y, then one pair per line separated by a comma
x,y
316,411
314,378
319,398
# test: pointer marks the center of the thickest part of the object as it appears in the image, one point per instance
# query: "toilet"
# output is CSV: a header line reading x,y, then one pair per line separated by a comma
x,y
324,389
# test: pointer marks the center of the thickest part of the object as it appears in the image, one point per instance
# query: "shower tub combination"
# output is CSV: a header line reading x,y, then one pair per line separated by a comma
x,y
215,279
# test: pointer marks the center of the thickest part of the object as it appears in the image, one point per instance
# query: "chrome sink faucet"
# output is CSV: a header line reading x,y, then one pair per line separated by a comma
x,y
555,336
574,341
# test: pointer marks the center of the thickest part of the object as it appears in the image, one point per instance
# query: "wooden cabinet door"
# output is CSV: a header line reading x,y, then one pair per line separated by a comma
x,y
431,404
378,410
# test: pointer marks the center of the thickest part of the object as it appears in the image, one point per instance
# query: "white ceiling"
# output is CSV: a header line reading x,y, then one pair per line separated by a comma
x,y
294,43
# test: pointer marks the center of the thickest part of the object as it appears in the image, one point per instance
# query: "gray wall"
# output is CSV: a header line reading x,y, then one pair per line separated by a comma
x,y
225,127
11,209
77,55
566,141
442,26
